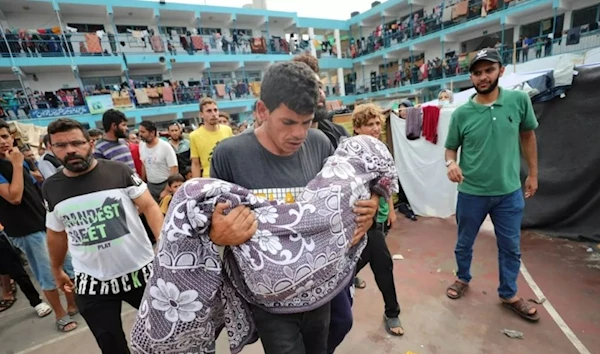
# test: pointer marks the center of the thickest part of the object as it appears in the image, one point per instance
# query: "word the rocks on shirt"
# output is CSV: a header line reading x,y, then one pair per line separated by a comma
x,y
88,285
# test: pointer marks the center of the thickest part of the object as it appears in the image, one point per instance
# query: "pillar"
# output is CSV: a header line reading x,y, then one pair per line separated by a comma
x,y
516,33
340,71
311,38
568,20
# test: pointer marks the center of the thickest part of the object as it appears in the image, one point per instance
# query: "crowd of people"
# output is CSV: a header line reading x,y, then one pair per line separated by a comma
x,y
96,201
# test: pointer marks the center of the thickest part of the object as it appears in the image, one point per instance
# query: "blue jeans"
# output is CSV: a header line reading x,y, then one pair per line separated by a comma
x,y
36,249
341,317
506,212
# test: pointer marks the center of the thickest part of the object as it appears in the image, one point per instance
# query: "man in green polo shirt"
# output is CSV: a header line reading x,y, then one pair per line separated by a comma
x,y
491,129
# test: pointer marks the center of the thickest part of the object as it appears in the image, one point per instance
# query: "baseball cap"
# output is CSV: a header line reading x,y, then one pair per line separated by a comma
x,y
487,54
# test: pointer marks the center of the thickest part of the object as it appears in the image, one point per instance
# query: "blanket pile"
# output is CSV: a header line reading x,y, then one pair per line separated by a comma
x,y
298,260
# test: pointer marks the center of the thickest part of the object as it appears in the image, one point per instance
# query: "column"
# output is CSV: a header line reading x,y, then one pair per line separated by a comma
x,y
340,71
567,21
311,43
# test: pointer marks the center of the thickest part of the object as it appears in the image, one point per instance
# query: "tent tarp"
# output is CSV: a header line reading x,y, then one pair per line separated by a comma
x,y
567,203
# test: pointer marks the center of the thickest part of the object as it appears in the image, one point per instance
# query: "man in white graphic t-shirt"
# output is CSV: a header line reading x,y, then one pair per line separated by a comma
x,y
158,158
91,212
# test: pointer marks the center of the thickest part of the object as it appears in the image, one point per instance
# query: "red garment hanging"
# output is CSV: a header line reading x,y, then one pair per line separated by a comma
x,y
431,117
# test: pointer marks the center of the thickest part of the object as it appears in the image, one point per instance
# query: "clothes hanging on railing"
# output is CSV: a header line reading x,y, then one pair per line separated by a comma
x,y
157,44
93,43
197,42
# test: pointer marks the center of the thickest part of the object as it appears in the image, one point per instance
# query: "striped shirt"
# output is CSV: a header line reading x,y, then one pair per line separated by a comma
x,y
115,151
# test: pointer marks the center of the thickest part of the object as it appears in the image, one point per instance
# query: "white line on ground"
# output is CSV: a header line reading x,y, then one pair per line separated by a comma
x,y
552,311
77,331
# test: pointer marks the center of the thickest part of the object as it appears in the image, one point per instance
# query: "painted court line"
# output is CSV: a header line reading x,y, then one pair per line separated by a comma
x,y
77,331
552,311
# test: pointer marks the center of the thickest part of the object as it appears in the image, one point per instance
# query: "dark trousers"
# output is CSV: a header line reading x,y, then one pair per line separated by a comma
x,y
10,264
102,313
298,333
341,318
377,254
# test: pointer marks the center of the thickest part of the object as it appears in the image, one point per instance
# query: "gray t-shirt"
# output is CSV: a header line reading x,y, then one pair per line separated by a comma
x,y
244,161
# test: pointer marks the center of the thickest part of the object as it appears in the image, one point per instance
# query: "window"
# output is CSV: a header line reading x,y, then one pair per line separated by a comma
x,y
86,28
585,16
108,81
169,30
206,31
242,31
124,28
220,77
543,27
148,79
251,76
10,85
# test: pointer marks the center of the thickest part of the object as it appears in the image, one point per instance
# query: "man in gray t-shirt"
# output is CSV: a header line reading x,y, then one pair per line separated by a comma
x,y
278,159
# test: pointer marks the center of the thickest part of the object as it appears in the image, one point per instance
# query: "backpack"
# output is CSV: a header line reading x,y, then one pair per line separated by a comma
x,y
53,160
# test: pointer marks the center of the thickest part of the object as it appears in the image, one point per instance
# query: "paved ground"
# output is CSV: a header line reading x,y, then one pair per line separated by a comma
x,y
564,271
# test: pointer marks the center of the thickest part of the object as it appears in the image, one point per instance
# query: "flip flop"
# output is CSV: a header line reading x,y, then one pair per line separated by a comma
x,y
359,283
73,313
43,309
6,304
62,323
459,287
393,322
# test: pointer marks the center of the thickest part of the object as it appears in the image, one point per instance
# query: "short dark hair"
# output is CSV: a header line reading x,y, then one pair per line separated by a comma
x,y
25,148
225,115
149,126
3,124
94,132
292,84
46,140
62,125
112,116
175,178
309,60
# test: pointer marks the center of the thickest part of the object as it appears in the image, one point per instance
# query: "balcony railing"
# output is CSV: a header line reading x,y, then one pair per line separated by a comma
x,y
90,44
412,26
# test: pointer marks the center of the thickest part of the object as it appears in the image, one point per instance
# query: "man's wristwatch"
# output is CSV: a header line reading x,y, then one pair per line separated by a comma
x,y
449,162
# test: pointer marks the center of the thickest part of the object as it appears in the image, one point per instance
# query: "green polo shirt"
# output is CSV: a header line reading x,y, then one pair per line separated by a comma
x,y
490,154
383,211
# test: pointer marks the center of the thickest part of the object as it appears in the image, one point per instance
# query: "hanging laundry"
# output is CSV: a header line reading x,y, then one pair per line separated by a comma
x,y
197,42
93,43
414,122
573,36
157,44
431,117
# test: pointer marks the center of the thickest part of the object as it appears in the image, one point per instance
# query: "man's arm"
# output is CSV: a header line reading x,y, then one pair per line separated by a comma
x,y
143,176
147,206
13,192
196,167
57,249
529,146
172,160
37,175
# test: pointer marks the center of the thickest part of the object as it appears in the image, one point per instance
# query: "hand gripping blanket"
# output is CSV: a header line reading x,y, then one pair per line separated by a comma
x,y
298,260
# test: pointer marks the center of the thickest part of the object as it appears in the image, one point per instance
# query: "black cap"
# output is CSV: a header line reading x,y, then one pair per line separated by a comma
x,y
487,54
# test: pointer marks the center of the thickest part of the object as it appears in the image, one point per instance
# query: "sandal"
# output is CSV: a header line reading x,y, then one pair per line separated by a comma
x,y
64,322
43,309
459,287
73,313
393,322
359,283
522,308
6,304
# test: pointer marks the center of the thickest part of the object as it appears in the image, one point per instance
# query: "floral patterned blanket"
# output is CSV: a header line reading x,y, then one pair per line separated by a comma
x,y
298,260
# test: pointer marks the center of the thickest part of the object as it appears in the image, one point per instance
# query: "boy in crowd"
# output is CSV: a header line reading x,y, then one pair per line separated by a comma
x,y
173,183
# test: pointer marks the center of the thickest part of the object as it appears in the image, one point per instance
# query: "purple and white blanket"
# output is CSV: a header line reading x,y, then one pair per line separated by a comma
x,y
298,260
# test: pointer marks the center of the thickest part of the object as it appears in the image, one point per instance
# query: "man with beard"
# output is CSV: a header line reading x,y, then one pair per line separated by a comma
x,y
158,159
204,139
341,305
491,129
279,158
323,118
180,145
91,211
113,145
22,215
